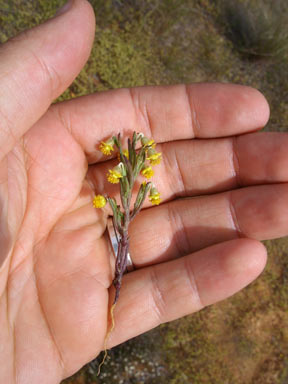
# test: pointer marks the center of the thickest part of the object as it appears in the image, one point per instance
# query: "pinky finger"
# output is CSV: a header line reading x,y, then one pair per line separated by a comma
x,y
165,292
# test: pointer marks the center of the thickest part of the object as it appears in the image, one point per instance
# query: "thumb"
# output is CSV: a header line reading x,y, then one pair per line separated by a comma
x,y
38,65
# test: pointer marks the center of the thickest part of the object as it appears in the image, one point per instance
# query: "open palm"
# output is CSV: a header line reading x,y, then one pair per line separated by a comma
x,y
218,190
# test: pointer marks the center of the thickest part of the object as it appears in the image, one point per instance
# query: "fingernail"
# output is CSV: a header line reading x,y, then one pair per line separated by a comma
x,y
65,8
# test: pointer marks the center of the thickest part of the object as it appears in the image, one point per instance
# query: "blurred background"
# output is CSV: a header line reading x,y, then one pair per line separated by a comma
x,y
143,42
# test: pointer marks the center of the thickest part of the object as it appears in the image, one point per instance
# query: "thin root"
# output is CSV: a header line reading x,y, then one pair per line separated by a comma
x,y
108,334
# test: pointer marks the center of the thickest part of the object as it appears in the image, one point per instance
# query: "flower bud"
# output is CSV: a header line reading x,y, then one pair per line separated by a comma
x,y
154,196
147,172
153,156
147,142
116,173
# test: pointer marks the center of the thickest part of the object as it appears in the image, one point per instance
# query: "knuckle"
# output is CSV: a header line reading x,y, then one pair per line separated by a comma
x,y
141,111
158,297
50,75
178,229
194,289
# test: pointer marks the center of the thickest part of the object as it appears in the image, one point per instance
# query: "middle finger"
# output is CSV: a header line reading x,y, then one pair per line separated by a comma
x,y
197,167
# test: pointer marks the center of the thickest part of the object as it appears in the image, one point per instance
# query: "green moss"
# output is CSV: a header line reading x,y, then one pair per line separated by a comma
x,y
18,15
125,57
197,357
120,58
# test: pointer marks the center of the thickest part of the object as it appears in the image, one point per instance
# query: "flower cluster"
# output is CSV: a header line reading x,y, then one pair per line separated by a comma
x,y
132,159
137,159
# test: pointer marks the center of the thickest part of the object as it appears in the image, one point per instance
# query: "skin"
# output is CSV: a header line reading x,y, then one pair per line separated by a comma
x,y
224,188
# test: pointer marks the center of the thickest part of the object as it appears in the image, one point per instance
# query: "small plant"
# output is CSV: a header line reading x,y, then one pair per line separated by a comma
x,y
255,29
132,163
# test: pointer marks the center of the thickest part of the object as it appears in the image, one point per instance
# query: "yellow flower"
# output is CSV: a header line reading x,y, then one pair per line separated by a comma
x,y
113,176
116,173
107,147
125,153
147,172
154,196
153,156
99,201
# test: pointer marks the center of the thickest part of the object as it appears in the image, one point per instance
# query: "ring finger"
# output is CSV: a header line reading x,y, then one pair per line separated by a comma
x,y
180,227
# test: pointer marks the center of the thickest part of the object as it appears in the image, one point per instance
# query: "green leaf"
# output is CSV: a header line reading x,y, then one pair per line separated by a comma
x,y
117,214
134,140
132,154
141,196
116,142
140,161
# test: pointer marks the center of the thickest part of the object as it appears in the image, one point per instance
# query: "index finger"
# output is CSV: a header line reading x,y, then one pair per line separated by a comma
x,y
166,113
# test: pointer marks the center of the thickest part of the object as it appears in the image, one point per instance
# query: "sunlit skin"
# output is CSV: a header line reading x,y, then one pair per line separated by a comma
x,y
56,264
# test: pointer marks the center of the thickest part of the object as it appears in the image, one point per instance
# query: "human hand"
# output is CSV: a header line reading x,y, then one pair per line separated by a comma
x,y
57,266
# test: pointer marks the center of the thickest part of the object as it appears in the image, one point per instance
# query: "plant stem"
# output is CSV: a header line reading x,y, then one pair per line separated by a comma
x,y
123,246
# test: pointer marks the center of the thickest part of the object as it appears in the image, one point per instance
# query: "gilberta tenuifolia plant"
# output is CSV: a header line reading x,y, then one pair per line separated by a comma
x,y
136,160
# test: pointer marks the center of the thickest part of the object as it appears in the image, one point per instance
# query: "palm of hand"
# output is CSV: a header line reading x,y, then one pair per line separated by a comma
x,y
60,271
